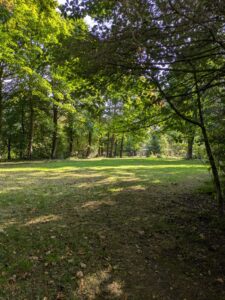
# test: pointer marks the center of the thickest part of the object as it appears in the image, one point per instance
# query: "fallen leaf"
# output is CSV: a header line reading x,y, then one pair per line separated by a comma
x,y
220,280
80,274
83,266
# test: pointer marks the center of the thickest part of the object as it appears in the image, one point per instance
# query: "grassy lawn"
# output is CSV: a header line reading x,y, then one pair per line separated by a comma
x,y
131,229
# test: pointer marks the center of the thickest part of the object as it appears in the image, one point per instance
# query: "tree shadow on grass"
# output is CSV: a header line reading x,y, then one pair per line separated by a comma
x,y
158,249
134,248
130,239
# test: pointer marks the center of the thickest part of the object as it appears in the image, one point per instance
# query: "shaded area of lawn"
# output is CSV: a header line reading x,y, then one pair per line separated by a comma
x,y
109,229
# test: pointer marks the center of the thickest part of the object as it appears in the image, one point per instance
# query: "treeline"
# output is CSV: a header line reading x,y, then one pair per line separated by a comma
x,y
144,68
51,105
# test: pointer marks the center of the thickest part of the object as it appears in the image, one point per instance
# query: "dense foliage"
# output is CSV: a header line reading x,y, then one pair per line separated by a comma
x,y
146,78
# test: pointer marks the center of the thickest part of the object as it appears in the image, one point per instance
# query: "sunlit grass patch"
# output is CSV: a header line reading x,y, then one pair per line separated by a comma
x,y
101,217
42,219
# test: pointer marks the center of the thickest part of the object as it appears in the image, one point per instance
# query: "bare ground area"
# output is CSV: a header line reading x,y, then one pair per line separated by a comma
x,y
131,230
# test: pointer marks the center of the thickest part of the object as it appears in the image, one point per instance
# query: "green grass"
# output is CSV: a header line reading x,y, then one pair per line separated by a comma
x,y
139,226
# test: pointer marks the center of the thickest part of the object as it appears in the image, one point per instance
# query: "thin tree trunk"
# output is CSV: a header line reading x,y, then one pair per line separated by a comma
x,y
115,149
31,130
121,147
112,146
9,148
55,132
107,146
189,154
1,102
1,98
71,134
22,137
201,124
217,183
89,143
100,147
71,140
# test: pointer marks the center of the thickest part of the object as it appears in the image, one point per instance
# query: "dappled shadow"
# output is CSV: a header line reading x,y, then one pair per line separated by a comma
x,y
133,247
79,176
110,234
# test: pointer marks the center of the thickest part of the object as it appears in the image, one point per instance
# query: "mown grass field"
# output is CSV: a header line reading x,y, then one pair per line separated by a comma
x,y
136,229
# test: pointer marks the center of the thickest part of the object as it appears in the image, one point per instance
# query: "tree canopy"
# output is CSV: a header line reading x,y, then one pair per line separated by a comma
x,y
147,73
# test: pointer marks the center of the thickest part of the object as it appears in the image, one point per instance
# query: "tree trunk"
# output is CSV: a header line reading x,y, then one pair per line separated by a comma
x,y
217,183
1,102
115,149
71,134
1,98
107,146
22,137
89,143
100,147
9,148
201,124
71,140
189,154
55,132
121,147
31,131
112,146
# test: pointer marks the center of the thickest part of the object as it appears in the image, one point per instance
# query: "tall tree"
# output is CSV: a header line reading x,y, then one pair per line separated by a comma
x,y
177,45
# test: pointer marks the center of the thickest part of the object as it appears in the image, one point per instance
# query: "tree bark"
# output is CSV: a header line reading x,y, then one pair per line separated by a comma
x,y
201,124
115,149
1,102
216,177
31,130
71,134
100,147
217,183
112,145
189,154
1,98
107,146
89,143
22,137
55,132
121,147
9,148
71,140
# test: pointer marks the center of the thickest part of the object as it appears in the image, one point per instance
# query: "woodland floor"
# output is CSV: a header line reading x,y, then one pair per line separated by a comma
x,y
131,229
